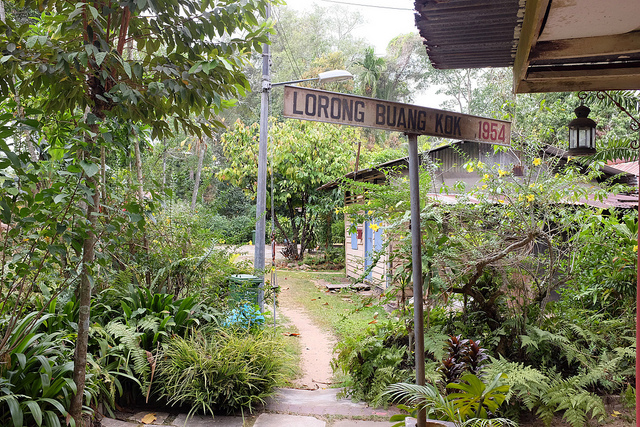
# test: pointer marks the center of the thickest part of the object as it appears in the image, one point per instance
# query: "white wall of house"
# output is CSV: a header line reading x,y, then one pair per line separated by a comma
x,y
359,249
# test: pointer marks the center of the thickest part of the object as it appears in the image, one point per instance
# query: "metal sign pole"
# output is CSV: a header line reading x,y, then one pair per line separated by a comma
x,y
416,260
261,196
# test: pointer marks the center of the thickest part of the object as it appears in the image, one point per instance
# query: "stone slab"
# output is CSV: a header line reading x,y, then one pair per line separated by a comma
x,y
321,402
160,416
208,421
412,422
361,423
110,422
281,420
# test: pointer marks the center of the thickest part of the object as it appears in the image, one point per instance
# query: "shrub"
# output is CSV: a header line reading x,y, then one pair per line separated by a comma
x,y
374,362
227,370
35,375
234,230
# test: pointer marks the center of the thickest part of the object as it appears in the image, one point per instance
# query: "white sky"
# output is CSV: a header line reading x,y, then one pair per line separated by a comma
x,y
385,20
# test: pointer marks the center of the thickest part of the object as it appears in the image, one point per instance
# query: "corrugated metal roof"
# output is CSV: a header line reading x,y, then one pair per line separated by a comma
x,y
470,33
626,167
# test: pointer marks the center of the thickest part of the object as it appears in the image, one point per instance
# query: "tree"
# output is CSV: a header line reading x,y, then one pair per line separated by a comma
x,y
372,71
304,156
73,60
404,74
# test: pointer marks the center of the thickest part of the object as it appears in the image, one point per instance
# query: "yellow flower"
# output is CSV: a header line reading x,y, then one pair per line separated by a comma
x,y
337,210
556,175
484,187
486,176
374,227
530,198
537,161
635,248
502,173
569,158
520,198
480,165
500,201
370,213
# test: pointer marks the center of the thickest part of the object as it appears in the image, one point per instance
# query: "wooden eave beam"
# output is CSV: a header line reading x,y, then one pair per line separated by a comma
x,y
619,44
573,81
531,25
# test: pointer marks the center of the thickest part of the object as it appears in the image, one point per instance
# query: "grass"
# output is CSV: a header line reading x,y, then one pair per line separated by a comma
x,y
344,313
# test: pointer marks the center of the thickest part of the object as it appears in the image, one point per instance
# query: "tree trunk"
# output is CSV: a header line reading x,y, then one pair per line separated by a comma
x,y
103,172
196,182
136,149
84,297
145,241
164,169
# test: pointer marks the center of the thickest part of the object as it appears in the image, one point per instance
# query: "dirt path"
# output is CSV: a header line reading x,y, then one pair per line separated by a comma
x,y
316,344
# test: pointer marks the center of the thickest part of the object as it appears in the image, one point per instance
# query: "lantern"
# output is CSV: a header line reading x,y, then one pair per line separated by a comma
x,y
582,133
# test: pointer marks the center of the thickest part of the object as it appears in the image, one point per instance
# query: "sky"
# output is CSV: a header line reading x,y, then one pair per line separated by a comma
x,y
383,21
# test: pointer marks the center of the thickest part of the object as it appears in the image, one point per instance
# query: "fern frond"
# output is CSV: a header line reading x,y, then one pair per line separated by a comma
x,y
149,323
130,339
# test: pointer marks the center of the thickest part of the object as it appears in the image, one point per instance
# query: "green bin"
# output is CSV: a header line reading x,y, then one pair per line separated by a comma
x,y
253,237
244,288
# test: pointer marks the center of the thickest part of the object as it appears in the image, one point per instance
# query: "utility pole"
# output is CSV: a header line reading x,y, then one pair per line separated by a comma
x,y
261,197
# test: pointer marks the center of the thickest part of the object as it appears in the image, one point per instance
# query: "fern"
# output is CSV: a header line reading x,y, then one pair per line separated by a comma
x,y
130,340
568,395
549,393
526,384
149,323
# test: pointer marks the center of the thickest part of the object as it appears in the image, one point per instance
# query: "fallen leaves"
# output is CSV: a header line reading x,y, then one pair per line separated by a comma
x,y
149,418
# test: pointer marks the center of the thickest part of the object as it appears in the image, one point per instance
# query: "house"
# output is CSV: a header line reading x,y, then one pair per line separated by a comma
x,y
362,247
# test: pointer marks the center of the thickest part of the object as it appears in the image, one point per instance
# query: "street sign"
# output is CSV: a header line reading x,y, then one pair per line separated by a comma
x,y
332,107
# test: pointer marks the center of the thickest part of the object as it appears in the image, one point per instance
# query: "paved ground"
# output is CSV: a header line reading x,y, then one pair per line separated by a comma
x,y
290,408
247,253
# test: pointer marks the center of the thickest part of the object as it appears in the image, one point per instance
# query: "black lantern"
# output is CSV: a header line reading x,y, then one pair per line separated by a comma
x,y
582,133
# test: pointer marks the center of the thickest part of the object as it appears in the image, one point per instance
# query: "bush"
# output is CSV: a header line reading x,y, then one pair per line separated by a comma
x,y
225,371
234,230
374,362
36,383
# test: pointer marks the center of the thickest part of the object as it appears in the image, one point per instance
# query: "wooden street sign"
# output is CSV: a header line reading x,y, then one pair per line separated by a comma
x,y
332,107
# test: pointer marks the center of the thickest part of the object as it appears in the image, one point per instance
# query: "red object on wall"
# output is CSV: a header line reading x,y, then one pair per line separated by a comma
x,y
359,233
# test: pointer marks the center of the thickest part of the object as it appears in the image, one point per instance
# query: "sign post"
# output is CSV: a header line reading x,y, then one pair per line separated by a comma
x,y
338,108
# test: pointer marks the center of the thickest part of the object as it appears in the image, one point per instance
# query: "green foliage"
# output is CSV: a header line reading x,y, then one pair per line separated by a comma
x,y
36,374
170,66
137,325
477,399
223,370
325,151
604,274
474,404
548,392
373,362
234,230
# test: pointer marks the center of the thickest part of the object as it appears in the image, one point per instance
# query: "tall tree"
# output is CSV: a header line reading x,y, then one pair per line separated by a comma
x,y
72,60
200,149
304,156
372,68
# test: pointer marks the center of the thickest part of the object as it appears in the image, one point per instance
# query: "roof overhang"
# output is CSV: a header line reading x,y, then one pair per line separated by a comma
x,y
552,45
